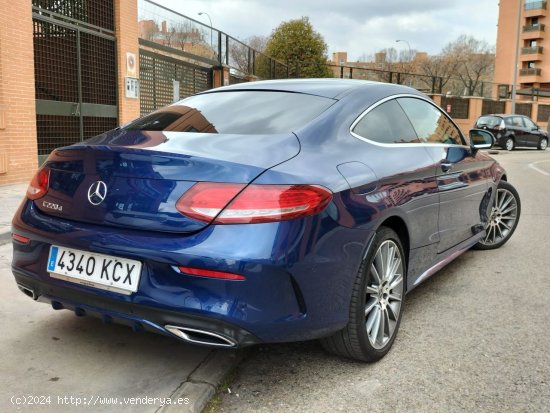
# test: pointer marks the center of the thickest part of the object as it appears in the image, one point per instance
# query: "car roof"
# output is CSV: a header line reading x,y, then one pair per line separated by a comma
x,y
501,115
330,88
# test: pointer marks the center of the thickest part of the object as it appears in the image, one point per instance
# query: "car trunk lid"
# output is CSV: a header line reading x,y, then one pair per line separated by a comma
x,y
133,179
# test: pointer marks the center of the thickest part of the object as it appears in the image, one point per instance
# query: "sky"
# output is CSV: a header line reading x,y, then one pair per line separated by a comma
x,y
360,27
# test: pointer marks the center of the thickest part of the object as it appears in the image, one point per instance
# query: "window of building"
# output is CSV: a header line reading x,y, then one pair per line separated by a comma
x,y
430,124
532,43
531,65
386,123
534,21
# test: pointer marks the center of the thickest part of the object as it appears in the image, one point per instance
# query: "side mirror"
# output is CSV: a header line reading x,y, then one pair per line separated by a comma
x,y
481,139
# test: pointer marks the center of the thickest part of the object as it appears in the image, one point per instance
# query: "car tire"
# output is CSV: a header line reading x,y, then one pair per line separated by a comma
x,y
503,218
543,144
376,302
509,144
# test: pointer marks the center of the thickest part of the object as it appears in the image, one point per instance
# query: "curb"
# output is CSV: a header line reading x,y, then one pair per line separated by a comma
x,y
5,237
203,382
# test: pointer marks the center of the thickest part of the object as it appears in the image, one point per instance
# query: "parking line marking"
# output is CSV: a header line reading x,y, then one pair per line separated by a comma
x,y
532,166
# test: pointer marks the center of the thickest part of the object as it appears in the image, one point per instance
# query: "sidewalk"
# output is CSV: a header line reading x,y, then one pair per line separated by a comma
x,y
10,198
194,372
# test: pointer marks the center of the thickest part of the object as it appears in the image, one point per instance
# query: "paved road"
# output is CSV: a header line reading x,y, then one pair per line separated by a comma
x,y
54,353
474,337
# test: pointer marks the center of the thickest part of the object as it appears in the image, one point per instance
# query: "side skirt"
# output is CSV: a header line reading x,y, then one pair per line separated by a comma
x,y
444,259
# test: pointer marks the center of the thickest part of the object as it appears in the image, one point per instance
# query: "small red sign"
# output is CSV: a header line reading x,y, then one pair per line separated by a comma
x,y
448,108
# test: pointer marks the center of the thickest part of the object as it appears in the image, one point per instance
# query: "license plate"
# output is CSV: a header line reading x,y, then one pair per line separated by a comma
x,y
116,274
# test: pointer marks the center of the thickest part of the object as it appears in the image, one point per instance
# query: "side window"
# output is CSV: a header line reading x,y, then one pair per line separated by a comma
x,y
508,122
430,124
517,121
386,123
529,124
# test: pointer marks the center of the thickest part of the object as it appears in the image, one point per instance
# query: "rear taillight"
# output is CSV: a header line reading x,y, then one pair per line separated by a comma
x,y
20,238
231,204
39,184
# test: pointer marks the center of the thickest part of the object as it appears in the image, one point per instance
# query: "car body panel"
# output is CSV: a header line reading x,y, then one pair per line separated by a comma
x,y
299,273
147,172
521,129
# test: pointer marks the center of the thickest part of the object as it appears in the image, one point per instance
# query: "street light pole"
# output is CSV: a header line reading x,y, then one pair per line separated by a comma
x,y
210,20
516,57
408,45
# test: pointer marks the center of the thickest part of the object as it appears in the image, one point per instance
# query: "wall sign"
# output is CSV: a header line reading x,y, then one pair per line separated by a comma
x,y
131,88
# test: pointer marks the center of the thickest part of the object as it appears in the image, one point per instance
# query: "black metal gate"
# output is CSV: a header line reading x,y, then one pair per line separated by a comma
x,y
75,70
163,79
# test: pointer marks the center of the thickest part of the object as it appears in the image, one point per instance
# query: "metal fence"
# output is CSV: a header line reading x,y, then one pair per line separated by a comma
x,y
429,84
524,109
458,108
75,71
196,39
162,77
492,106
543,113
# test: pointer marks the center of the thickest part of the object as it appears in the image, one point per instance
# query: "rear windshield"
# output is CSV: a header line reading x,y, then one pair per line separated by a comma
x,y
489,121
239,112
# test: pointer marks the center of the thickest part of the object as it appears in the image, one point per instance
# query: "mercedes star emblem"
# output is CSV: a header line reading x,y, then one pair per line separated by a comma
x,y
97,192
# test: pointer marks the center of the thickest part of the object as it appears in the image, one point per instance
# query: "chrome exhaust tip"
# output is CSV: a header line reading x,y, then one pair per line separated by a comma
x,y
196,336
27,291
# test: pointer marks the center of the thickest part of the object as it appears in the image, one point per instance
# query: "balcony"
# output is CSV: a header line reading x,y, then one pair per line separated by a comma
x,y
535,8
535,5
533,32
530,76
533,28
531,50
530,72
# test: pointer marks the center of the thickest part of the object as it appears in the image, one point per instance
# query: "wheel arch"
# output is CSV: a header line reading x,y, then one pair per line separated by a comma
x,y
397,224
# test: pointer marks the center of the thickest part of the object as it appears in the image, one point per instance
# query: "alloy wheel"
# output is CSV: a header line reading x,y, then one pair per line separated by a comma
x,y
509,144
502,218
543,144
384,294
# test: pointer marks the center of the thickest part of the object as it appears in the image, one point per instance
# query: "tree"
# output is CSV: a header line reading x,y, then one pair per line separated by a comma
x,y
475,60
239,52
443,67
186,35
463,66
298,45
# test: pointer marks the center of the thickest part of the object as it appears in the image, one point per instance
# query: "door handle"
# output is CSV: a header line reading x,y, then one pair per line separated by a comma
x,y
446,166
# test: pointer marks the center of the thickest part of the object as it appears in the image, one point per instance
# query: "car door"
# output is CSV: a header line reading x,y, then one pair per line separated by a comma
x,y
405,174
462,178
520,129
532,132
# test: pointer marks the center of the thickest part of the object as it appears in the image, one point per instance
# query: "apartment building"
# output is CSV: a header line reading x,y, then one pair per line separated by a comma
x,y
533,76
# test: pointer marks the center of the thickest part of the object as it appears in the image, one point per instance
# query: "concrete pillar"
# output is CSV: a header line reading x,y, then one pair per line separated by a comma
x,y
18,147
127,33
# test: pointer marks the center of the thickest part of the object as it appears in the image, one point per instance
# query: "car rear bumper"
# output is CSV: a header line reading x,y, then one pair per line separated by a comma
x,y
299,276
139,317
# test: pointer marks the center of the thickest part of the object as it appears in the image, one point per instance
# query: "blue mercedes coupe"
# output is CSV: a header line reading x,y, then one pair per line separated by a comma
x,y
263,212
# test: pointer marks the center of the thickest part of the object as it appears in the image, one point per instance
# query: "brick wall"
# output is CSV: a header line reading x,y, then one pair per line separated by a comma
x,y
476,108
127,33
18,151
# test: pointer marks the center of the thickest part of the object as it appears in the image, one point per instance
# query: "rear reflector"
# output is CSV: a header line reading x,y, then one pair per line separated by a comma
x,y
39,184
20,238
231,204
212,274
